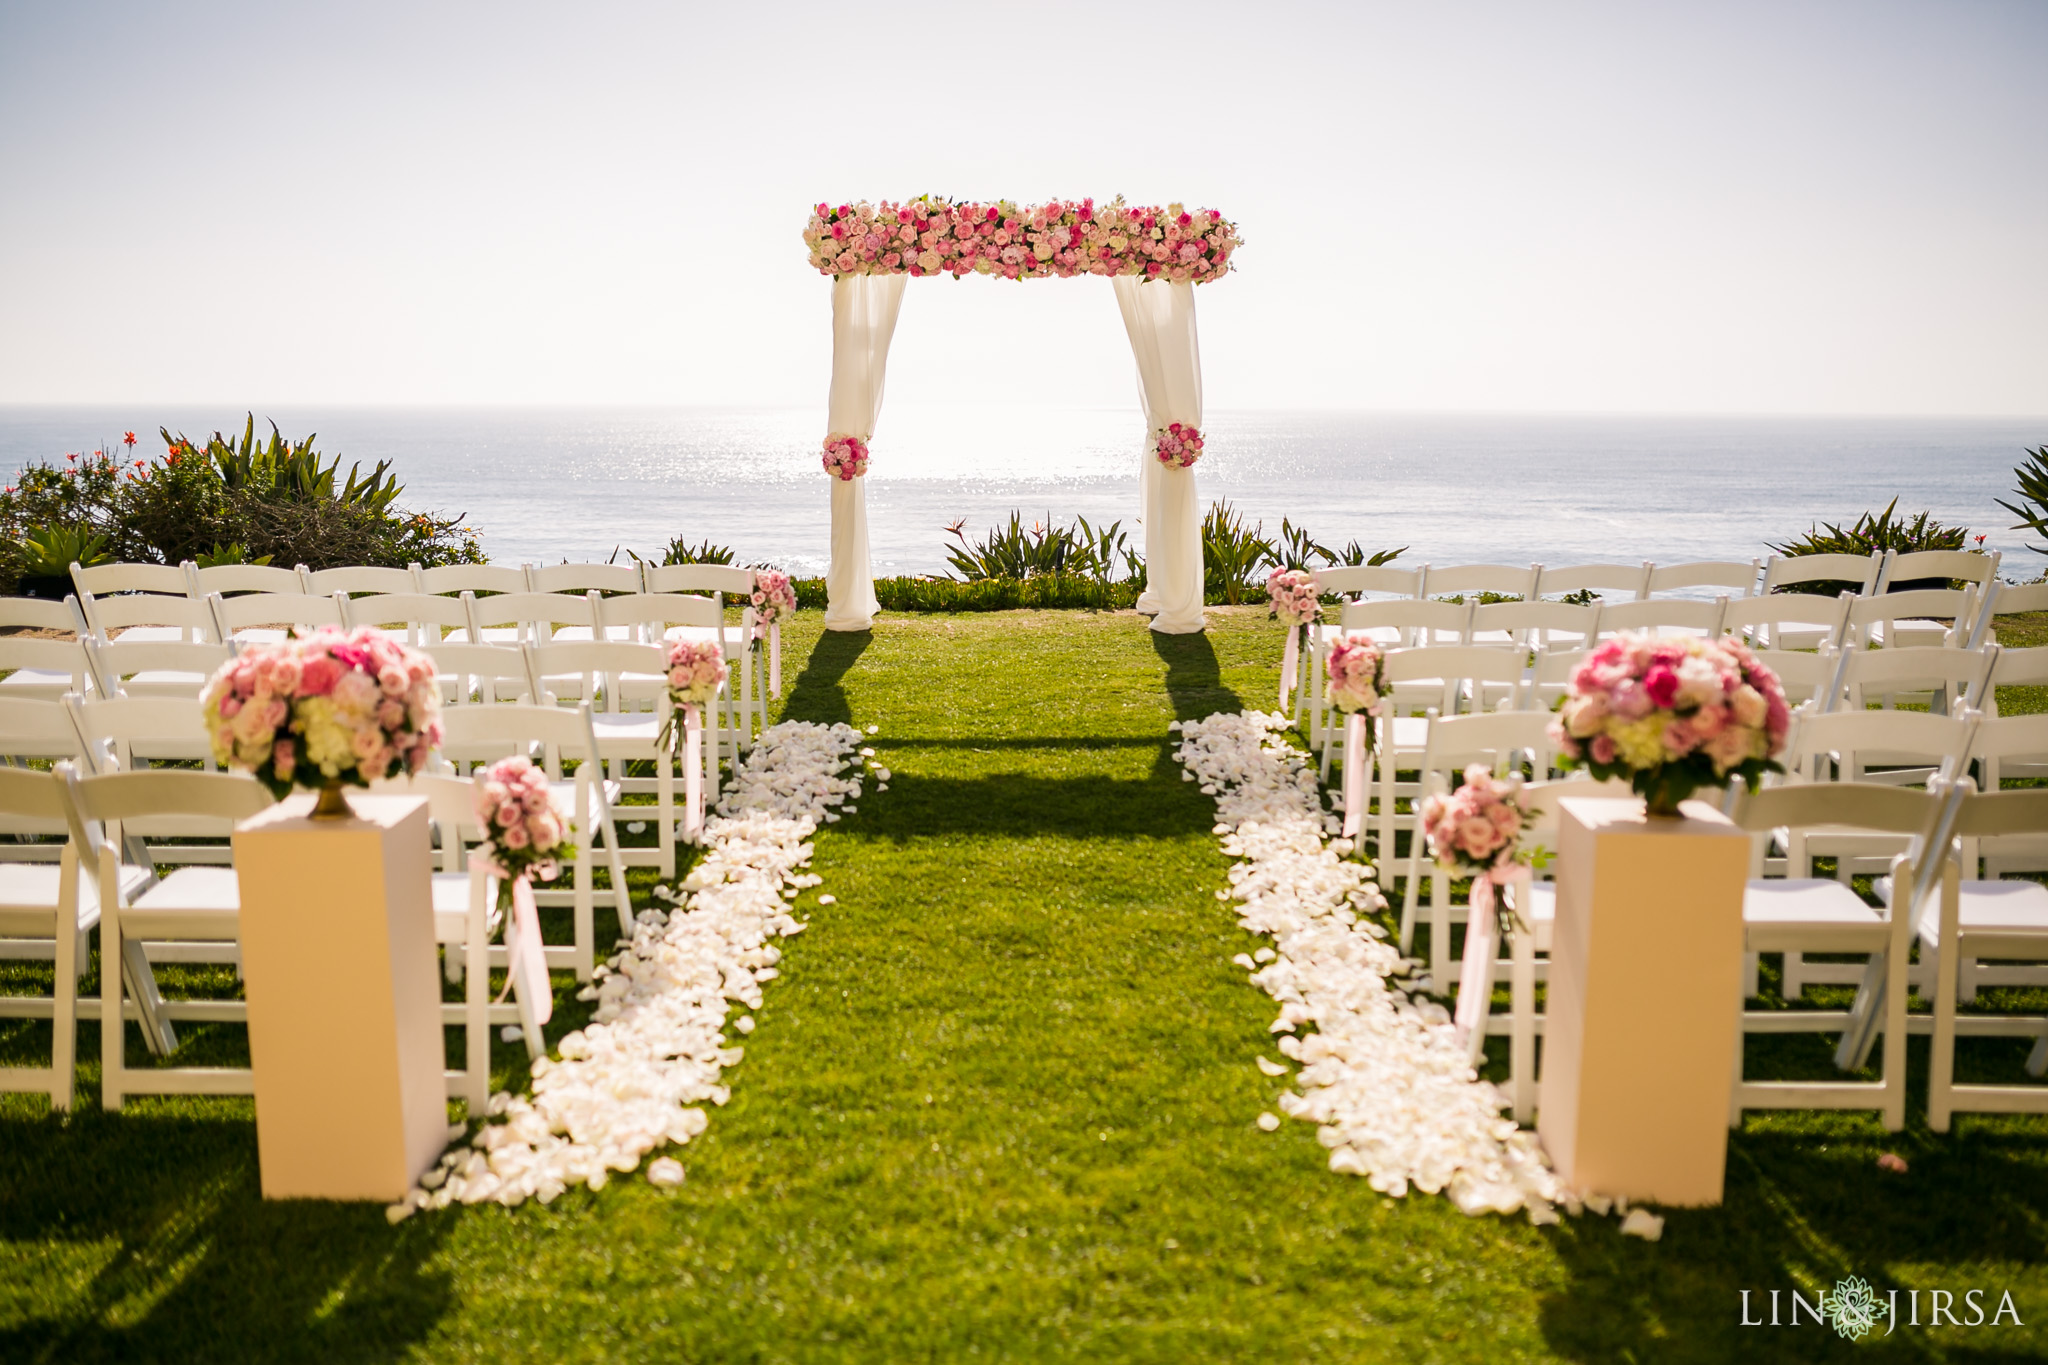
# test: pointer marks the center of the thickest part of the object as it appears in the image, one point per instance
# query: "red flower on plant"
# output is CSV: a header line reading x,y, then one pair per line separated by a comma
x,y
128,438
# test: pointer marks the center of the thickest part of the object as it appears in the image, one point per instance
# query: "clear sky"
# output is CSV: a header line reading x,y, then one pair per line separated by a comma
x,y
1701,207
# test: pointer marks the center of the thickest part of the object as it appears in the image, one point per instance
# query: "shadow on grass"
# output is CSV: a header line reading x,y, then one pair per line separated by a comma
x,y
819,693
1194,677
1027,806
174,1254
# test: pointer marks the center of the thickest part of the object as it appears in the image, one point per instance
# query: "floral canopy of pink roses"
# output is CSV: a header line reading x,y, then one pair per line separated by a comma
x,y
933,236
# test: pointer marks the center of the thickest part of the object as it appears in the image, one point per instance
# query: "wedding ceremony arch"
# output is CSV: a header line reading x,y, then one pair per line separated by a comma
x,y
1153,258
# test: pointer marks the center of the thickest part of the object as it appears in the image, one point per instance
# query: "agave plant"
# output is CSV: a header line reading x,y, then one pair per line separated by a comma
x,y
1872,533
290,471
1353,556
235,553
1297,549
2033,494
50,551
1014,550
680,551
1232,553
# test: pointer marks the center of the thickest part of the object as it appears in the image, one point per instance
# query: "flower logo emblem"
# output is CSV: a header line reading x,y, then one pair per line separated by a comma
x,y
1854,1308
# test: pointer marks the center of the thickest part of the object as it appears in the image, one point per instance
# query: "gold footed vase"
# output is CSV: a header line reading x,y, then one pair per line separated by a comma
x,y
332,805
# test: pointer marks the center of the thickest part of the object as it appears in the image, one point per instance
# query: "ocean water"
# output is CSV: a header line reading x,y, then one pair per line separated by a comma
x,y
545,485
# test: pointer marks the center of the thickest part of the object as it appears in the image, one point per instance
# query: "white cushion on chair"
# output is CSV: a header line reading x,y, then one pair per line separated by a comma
x,y
638,728
193,902
2004,906
28,897
1806,914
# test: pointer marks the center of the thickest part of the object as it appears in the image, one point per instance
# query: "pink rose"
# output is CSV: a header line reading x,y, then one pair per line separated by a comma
x,y
1661,682
318,677
515,837
509,815
1603,748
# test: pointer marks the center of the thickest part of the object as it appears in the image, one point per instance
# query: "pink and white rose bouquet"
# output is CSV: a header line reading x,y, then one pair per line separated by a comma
x,y
1672,715
325,709
696,670
1178,446
934,236
1476,830
528,835
1353,665
1294,596
846,457
774,596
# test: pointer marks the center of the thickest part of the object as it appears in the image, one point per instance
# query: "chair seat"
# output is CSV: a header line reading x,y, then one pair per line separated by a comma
x,y
39,683
138,634
1808,914
192,902
163,682
564,793
632,729
451,908
2003,907
28,897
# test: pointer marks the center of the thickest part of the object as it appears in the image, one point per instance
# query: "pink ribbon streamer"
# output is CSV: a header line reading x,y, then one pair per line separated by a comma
x,y
1354,773
1482,945
775,657
693,774
1287,664
526,960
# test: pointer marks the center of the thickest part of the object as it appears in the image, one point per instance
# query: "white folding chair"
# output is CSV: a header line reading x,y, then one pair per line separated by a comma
x,y
530,617
1921,570
1353,581
150,616
1860,572
1790,621
1805,677
480,674
43,669
105,580
474,735
47,911
1978,920
1631,580
1511,580
1501,740
1936,617
1736,578
418,619
363,578
271,617
1662,616
194,904
1933,677
667,618
153,668
2003,599
2014,668
1803,914
1538,626
1390,623
480,578
627,736
582,578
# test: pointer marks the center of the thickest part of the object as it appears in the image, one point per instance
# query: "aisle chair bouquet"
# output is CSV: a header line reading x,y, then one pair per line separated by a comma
x,y
325,710
774,597
1352,664
1297,600
1672,715
1476,831
527,837
696,672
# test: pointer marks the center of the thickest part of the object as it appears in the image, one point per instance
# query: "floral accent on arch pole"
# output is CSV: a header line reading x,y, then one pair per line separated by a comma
x,y
934,236
1178,446
846,457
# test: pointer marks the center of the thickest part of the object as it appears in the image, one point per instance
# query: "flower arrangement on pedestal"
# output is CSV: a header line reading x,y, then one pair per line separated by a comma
x,y
1295,599
931,236
327,709
1672,716
1178,445
846,457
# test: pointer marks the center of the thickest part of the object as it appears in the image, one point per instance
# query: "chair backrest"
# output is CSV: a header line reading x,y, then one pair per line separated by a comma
x,y
1661,615
1454,665
2010,737
1913,742
473,578
1939,568
1739,578
123,610
1958,606
1633,579
451,805
275,609
475,672
540,609
31,803
101,579
2009,599
1870,806
581,578
1958,673
1533,622
1764,617
484,734
225,578
1859,570
2020,667
360,578
1986,815
596,661
219,800
1515,580
1418,620
1805,677
36,729
718,578
657,611
424,615
114,663
1494,738
131,732
30,654
34,613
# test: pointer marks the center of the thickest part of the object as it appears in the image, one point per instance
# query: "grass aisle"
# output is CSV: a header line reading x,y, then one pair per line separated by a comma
x,y
1000,1106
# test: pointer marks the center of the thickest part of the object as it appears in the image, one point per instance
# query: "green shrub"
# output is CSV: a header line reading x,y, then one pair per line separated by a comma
x,y
1077,550
278,501
1234,555
1873,533
2032,492
680,551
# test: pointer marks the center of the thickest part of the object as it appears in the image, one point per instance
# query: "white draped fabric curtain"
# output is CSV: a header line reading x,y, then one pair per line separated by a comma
x,y
864,309
1160,317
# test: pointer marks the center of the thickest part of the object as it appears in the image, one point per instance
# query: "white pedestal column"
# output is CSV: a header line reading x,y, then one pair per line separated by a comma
x,y
344,998
1641,1030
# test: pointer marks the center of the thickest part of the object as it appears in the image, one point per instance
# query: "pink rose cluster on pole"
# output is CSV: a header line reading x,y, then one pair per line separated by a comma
x,y
696,670
846,457
1672,715
933,236
1353,664
528,836
1477,828
1294,595
774,596
1178,446
327,707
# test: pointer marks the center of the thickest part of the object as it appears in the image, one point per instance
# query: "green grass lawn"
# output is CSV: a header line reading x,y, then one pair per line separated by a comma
x,y
999,1107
